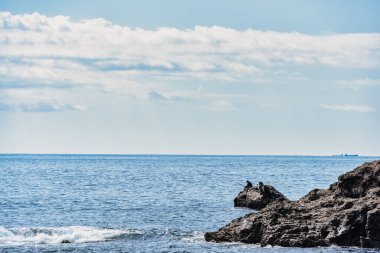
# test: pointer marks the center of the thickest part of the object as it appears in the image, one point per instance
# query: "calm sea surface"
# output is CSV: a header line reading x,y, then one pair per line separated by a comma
x,y
143,203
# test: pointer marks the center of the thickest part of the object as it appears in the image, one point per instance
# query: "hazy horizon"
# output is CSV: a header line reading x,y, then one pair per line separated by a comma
x,y
180,154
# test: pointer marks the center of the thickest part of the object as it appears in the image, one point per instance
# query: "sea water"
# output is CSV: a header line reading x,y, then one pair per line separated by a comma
x,y
144,203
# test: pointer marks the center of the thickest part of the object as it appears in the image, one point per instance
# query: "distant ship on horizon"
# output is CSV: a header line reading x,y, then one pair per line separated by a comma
x,y
346,155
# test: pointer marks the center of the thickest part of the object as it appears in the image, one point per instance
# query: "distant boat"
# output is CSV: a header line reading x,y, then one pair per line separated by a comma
x,y
346,155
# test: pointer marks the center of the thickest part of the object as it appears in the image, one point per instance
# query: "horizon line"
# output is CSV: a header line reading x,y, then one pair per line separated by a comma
x,y
191,154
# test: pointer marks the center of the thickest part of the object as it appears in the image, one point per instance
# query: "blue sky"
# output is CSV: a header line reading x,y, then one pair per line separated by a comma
x,y
311,17
221,77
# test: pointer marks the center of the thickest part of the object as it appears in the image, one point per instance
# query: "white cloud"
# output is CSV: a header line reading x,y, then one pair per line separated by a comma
x,y
357,84
42,106
38,100
57,52
154,95
348,108
49,107
52,49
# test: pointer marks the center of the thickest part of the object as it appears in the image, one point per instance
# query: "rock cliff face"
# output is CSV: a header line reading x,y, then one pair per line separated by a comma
x,y
346,214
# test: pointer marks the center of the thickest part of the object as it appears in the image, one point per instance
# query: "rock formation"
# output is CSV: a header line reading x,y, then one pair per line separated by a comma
x,y
345,214
258,197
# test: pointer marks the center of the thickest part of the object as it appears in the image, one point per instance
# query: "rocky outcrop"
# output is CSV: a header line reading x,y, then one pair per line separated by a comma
x,y
346,214
258,197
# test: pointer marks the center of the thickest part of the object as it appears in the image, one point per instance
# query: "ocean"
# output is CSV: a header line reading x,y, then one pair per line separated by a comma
x,y
144,203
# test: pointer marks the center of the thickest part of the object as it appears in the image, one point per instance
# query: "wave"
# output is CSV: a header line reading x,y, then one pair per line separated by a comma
x,y
56,235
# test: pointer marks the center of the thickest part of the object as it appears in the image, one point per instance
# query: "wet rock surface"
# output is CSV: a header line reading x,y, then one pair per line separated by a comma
x,y
345,214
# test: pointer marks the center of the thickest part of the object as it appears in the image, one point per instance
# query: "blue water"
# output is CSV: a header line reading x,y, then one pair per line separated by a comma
x,y
143,203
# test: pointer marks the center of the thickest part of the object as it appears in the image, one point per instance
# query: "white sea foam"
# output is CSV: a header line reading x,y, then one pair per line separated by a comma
x,y
195,236
55,235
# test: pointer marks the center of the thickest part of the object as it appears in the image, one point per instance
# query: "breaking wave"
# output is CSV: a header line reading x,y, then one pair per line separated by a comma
x,y
56,235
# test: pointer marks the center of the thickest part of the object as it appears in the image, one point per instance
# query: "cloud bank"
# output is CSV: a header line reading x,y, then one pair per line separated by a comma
x,y
58,49
37,51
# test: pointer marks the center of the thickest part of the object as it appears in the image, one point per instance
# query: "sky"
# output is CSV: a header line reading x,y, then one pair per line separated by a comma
x,y
196,77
